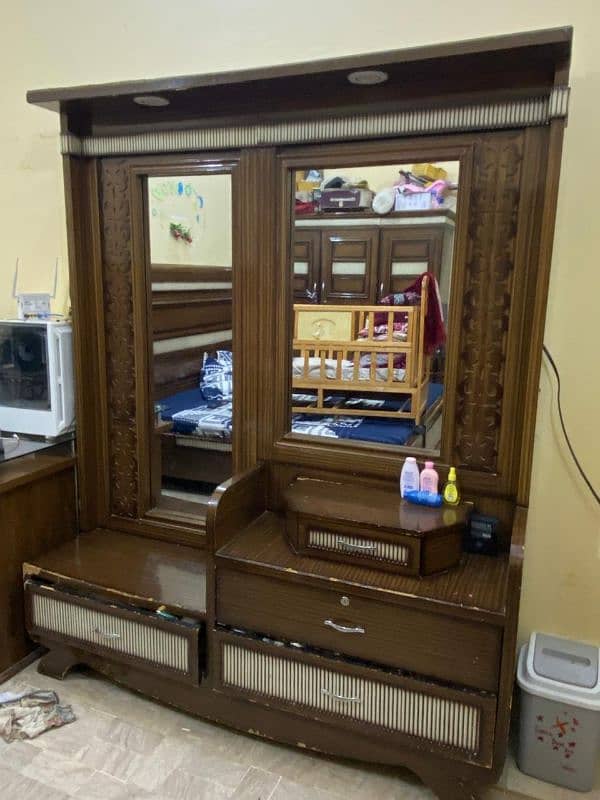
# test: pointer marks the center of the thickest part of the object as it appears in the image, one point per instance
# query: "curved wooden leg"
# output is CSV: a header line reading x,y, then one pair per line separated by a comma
x,y
57,663
449,786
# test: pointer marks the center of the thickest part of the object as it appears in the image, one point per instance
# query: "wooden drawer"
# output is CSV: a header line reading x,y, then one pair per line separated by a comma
x,y
132,636
429,643
328,539
387,550
421,714
372,527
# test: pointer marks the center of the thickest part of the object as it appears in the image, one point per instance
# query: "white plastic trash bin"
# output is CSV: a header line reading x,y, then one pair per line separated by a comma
x,y
559,739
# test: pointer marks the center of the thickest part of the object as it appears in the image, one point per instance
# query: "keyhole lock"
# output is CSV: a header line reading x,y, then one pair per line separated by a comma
x,y
345,601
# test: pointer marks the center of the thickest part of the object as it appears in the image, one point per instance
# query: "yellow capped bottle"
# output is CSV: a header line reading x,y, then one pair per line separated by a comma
x,y
451,493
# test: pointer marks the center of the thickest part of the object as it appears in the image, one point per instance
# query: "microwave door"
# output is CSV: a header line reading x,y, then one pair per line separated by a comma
x,y
24,368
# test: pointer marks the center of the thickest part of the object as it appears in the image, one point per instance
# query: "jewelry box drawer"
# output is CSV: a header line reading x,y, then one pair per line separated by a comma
x,y
132,636
373,527
453,722
354,545
455,650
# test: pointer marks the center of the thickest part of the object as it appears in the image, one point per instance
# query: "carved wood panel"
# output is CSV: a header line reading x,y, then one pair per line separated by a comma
x,y
119,337
489,274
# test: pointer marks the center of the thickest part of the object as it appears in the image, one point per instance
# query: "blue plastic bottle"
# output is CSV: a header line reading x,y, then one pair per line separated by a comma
x,y
424,499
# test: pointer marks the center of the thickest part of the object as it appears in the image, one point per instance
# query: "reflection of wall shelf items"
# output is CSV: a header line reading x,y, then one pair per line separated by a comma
x,y
179,231
342,350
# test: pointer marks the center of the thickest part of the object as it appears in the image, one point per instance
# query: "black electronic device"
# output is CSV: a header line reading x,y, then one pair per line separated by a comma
x,y
481,535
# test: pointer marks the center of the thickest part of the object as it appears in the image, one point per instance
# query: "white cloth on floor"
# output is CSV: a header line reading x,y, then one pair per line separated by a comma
x,y
26,715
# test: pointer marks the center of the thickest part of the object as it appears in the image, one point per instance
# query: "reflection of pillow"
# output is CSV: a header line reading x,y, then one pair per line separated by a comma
x,y
216,378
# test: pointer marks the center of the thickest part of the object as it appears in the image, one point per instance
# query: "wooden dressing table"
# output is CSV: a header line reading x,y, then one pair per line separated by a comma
x,y
214,612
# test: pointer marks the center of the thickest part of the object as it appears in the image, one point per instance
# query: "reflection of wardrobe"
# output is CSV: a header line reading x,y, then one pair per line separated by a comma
x,y
359,259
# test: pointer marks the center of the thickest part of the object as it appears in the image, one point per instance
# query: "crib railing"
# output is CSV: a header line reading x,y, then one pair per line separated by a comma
x,y
330,341
351,367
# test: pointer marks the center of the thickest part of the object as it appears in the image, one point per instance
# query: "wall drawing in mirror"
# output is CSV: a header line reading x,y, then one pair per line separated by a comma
x,y
371,269
190,263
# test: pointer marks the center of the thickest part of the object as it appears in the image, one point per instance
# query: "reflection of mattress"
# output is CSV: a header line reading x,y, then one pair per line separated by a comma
x,y
206,423
215,424
383,430
190,415
347,370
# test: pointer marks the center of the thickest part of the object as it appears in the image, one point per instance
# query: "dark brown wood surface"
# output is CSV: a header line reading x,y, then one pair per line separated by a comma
x,y
140,570
37,513
423,76
23,471
463,652
365,505
476,589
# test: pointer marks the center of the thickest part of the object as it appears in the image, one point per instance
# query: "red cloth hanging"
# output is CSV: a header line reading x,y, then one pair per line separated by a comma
x,y
435,330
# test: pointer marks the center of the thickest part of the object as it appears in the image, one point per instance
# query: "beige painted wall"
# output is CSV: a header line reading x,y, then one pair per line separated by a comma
x,y
62,43
201,204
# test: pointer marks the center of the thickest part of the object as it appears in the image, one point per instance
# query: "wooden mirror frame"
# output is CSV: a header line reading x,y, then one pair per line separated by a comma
x,y
138,174
505,223
288,445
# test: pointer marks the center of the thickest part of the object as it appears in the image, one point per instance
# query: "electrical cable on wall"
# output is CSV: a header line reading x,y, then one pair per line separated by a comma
x,y
595,494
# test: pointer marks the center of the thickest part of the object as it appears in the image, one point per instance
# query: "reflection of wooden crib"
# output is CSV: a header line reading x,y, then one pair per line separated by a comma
x,y
328,350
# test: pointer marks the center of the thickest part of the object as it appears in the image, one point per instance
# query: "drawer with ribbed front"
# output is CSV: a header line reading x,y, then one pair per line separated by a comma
x,y
129,635
371,527
462,651
458,724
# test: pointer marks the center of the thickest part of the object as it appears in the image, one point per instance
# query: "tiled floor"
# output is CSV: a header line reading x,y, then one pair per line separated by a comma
x,y
124,746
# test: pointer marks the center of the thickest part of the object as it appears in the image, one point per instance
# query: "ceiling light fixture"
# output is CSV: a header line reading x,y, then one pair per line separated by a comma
x,y
151,100
367,77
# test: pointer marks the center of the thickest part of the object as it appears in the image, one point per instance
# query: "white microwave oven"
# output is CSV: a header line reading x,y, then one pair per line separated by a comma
x,y
36,377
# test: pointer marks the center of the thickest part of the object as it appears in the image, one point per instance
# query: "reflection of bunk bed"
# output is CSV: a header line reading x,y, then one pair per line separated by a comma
x,y
196,442
362,349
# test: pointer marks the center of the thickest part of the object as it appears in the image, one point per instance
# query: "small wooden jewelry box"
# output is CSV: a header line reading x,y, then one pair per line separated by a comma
x,y
371,527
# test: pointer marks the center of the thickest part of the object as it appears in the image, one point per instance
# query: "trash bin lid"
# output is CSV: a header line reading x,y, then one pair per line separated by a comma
x,y
565,661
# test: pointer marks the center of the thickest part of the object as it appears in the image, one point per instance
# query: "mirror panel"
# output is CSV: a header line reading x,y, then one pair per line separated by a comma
x,y
372,258
190,269
190,220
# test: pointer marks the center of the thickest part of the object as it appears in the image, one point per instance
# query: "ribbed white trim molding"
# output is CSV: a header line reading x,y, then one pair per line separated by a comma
x,y
530,111
189,342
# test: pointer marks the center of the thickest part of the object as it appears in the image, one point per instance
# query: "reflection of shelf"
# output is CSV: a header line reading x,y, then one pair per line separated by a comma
x,y
28,446
370,218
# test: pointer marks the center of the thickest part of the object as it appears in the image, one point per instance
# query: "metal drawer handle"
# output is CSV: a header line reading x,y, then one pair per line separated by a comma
x,y
342,698
106,635
351,546
342,628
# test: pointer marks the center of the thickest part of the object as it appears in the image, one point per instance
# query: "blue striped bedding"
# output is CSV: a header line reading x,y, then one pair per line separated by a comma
x,y
191,415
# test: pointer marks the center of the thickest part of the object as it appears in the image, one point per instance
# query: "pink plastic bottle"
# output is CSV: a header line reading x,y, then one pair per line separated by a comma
x,y
429,478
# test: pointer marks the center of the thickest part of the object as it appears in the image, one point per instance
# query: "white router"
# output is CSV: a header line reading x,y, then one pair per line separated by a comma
x,y
34,305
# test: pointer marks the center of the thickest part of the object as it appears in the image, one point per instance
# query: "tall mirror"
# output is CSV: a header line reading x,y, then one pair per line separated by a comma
x,y
190,263
371,267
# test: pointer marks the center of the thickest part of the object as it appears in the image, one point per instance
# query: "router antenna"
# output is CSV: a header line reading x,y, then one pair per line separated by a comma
x,y
53,295
15,278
